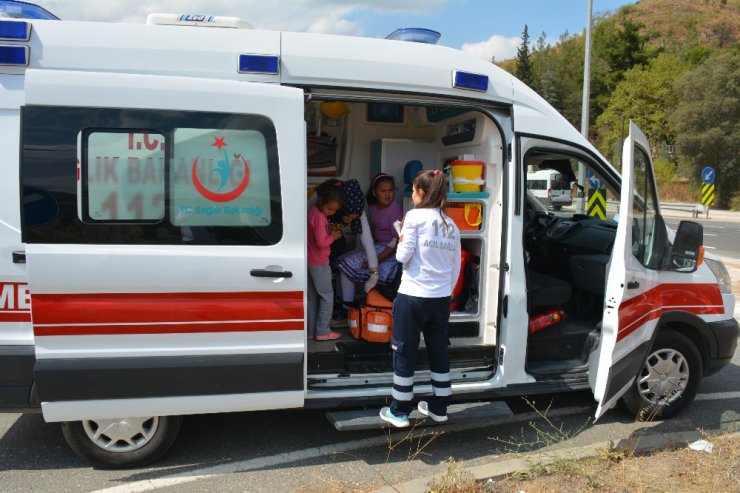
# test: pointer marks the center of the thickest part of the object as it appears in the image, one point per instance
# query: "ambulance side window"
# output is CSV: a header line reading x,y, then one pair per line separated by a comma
x,y
133,176
644,224
124,176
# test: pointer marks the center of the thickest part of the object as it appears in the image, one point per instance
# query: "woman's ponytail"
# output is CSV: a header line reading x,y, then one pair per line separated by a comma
x,y
433,186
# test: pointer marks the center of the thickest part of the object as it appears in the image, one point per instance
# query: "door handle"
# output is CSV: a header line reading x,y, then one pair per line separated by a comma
x,y
633,285
19,257
270,273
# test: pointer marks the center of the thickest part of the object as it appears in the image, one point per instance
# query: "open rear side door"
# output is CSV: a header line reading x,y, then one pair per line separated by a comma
x,y
632,286
171,278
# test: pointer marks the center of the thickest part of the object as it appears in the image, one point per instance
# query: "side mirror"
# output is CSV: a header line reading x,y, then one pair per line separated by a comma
x,y
688,249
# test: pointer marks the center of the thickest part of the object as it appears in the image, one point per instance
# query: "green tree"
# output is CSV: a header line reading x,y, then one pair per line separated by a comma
x,y
618,46
569,76
541,44
618,41
706,120
523,60
543,70
558,76
646,95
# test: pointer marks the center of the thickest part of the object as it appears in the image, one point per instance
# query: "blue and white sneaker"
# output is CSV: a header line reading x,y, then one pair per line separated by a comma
x,y
423,408
397,421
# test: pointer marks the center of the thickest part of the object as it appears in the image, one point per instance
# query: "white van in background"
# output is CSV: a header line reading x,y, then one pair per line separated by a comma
x,y
551,187
153,232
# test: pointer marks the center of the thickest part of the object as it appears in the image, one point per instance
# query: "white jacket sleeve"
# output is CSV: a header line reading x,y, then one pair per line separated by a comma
x,y
367,243
407,240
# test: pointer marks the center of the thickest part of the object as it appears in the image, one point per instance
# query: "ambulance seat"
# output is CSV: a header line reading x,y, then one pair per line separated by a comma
x,y
546,291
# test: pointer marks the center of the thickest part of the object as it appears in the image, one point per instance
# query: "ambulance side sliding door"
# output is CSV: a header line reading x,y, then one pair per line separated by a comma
x,y
169,278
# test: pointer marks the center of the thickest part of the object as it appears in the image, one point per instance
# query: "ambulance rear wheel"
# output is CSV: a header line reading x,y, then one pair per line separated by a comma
x,y
122,442
668,379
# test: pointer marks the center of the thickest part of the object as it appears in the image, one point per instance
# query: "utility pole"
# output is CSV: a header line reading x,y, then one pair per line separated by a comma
x,y
581,205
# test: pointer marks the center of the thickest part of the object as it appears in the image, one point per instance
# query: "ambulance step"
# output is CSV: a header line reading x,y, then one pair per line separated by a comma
x,y
368,419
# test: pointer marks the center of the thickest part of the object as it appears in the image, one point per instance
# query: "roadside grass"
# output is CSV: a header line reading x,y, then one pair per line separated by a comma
x,y
668,470
663,471
456,480
671,470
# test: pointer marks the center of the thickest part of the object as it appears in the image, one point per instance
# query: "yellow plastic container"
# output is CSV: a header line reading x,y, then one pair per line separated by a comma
x,y
467,176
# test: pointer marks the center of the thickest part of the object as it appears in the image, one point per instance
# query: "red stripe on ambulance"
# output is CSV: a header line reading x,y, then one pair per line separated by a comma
x,y
166,313
15,302
699,299
79,330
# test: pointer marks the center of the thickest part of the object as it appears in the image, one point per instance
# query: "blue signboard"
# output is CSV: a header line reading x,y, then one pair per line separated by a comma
x,y
593,180
708,175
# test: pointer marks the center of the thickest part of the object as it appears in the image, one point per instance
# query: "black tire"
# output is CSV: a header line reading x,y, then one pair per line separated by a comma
x,y
677,371
159,433
557,207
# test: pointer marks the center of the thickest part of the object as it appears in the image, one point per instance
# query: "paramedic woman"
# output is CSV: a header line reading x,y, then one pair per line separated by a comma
x,y
429,249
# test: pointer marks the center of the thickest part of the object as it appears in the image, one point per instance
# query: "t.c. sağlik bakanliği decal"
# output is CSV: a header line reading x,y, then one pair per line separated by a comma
x,y
223,169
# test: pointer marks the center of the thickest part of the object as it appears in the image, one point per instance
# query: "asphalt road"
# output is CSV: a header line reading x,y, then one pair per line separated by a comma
x,y
721,237
289,450
300,450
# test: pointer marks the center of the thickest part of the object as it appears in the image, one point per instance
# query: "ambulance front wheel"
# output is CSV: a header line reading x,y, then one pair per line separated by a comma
x,y
668,379
122,442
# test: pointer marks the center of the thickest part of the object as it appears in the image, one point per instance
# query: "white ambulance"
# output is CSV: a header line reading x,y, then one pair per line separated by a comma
x,y
153,181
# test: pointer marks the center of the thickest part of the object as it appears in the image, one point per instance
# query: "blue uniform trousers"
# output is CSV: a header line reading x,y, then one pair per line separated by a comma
x,y
413,316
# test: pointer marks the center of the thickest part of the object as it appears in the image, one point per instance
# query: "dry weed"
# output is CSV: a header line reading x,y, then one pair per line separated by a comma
x,y
455,480
545,435
665,471
683,192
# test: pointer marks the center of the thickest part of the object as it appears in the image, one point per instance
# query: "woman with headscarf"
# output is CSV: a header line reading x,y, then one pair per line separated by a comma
x,y
376,263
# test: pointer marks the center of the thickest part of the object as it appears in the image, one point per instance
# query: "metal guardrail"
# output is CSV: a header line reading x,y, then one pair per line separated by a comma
x,y
694,209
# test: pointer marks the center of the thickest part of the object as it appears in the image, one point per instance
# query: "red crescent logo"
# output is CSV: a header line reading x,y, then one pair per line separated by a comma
x,y
221,197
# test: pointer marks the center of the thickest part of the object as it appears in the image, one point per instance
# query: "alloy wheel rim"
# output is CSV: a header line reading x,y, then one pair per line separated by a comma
x,y
122,434
664,377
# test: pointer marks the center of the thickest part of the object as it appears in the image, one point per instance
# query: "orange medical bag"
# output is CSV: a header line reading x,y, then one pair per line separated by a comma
x,y
373,320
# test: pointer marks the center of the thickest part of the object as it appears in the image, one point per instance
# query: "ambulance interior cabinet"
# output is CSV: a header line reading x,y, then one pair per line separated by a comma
x,y
391,155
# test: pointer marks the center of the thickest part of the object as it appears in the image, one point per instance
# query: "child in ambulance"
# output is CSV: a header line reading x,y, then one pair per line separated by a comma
x,y
320,296
351,218
429,249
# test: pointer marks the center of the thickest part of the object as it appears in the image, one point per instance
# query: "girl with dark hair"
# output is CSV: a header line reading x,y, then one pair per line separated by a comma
x,y
320,296
358,266
429,249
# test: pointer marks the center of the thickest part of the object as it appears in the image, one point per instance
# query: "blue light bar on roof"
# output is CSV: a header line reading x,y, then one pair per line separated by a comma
x,y
15,30
415,34
15,55
469,80
259,64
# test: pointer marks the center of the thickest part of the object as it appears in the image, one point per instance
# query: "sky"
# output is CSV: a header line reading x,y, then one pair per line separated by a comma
x,y
486,28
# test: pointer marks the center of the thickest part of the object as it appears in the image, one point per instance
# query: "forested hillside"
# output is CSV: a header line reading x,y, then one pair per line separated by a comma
x,y
672,66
